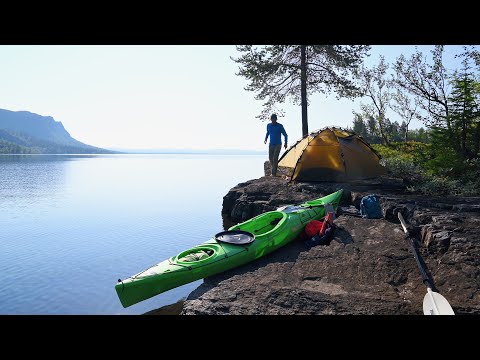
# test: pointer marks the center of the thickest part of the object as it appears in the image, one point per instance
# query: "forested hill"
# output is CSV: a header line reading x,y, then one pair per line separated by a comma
x,y
23,132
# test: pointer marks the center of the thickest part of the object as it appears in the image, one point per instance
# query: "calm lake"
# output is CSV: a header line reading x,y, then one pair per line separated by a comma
x,y
71,225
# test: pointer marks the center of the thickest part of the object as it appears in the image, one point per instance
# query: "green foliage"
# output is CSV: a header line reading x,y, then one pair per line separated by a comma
x,y
12,142
403,167
405,160
366,126
449,101
7,147
465,112
431,170
418,152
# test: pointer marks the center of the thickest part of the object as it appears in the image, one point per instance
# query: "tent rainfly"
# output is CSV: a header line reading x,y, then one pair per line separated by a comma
x,y
331,154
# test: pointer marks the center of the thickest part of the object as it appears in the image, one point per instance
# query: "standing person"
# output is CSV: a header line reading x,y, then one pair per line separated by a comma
x,y
274,130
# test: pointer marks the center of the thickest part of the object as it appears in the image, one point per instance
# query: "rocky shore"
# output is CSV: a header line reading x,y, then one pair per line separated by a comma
x,y
367,268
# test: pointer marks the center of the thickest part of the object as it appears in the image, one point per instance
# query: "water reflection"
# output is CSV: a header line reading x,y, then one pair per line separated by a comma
x,y
28,179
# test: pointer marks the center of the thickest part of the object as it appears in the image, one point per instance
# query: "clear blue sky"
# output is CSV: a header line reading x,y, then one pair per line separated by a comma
x,y
144,97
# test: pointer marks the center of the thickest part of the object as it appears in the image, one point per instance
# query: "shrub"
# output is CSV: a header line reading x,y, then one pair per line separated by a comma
x,y
403,167
431,171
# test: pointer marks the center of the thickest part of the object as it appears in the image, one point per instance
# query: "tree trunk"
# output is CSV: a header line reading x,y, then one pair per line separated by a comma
x,y
382,131
406,133
303,75
464,121
476,145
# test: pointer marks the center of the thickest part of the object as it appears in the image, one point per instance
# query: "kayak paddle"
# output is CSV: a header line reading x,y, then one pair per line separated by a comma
x,y
433,302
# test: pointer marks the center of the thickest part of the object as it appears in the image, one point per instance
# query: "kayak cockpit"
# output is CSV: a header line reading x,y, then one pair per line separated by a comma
x,y
262,224
198,254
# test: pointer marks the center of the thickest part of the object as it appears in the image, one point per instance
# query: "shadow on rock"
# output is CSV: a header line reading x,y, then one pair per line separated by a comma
x,y
342,236
286,254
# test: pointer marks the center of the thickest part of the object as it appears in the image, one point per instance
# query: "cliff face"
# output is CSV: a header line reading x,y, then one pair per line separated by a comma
x,y
34,125
367,268
34,133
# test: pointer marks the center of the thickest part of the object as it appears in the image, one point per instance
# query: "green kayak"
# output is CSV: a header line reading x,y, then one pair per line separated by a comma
x,y
254,238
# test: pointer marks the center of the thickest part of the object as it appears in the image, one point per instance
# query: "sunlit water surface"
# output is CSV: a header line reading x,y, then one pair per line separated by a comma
x,y
71,225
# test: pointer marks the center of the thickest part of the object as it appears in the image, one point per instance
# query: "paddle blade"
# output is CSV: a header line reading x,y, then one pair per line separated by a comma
x,y
436,304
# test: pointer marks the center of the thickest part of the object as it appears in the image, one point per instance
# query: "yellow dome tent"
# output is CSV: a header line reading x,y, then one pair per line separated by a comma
x,y
331,154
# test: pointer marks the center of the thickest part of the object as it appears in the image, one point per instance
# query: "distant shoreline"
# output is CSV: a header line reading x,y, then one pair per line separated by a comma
x,y
193,151
142,153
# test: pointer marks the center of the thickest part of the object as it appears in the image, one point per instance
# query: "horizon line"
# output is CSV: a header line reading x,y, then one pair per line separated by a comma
x,y
184,150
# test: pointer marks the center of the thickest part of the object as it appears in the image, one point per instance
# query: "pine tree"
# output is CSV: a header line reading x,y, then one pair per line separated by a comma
x,y
359,126
276,72
464,110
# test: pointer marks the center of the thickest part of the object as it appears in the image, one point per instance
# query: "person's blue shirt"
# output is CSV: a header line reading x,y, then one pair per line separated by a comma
x,y
275,131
